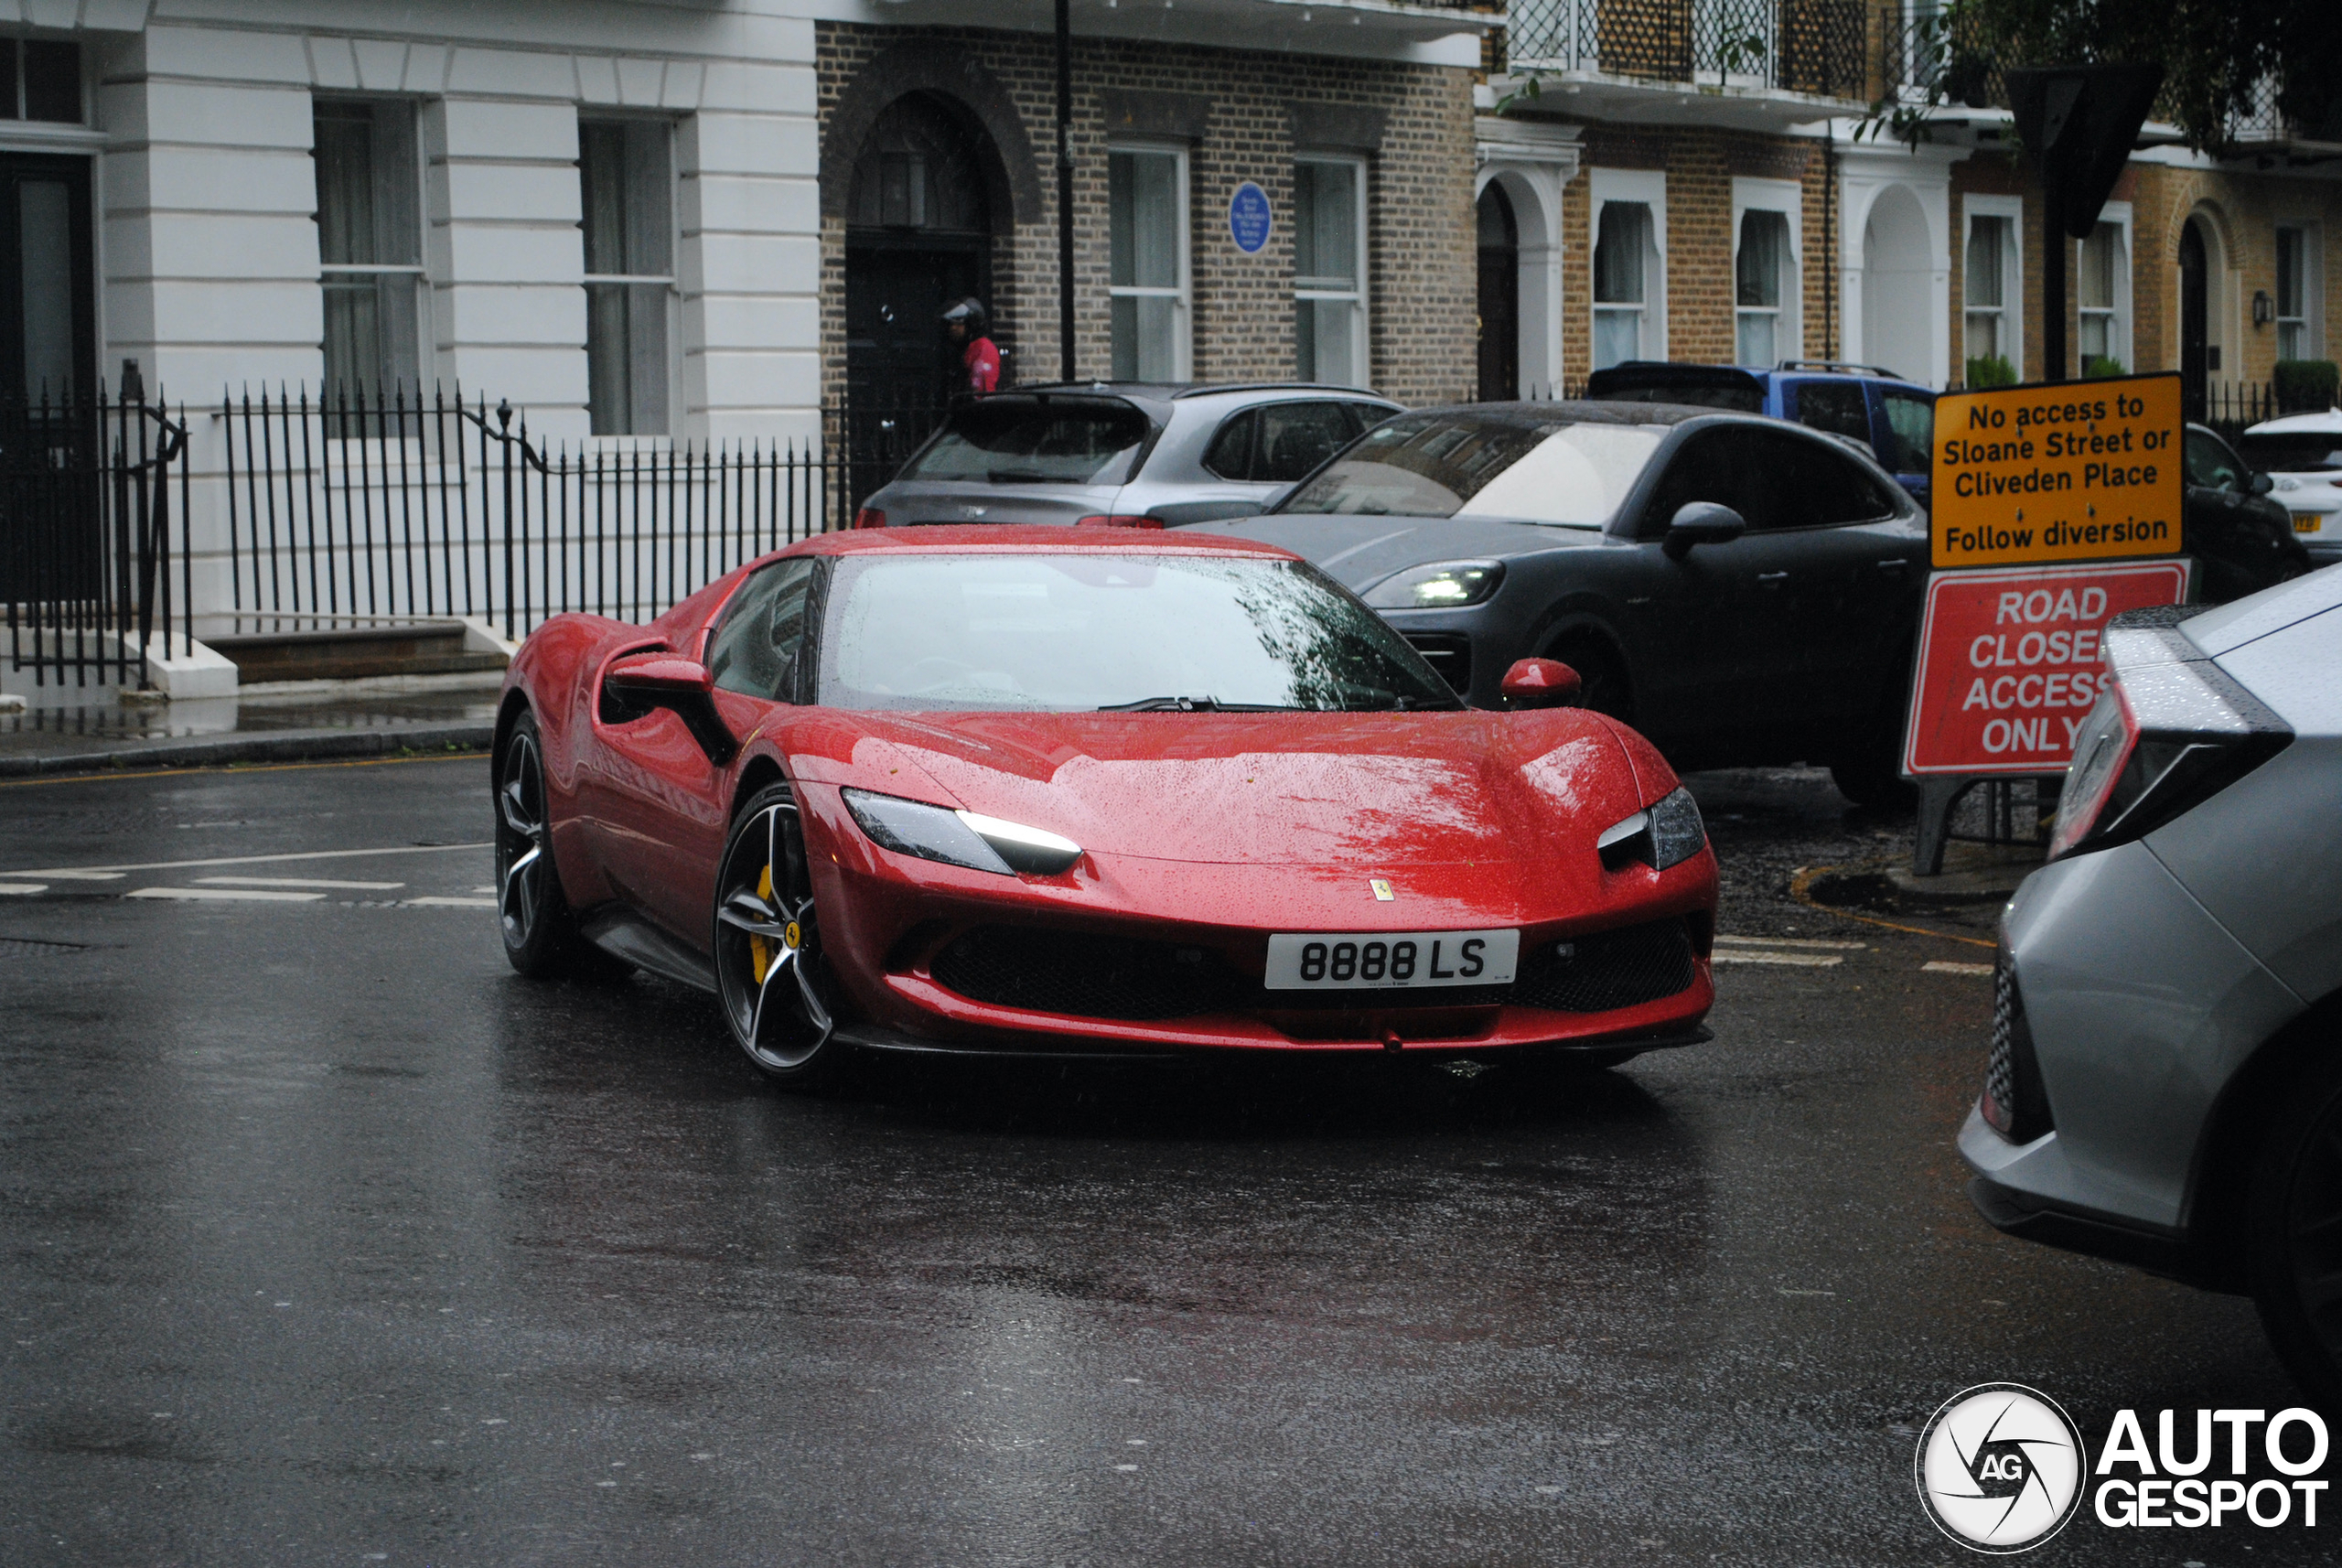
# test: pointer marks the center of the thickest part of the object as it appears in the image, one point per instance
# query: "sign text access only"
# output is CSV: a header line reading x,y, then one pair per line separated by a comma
x,y
2075,471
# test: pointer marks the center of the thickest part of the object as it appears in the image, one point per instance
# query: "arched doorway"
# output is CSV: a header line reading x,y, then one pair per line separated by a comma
x,y
918,236
1500,237
2194,318
1897,272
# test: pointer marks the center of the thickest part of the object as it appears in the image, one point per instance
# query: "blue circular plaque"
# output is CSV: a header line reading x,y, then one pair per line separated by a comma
x,y
1247,218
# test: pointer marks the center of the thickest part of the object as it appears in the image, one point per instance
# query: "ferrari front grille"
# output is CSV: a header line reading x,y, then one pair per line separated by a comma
x,y
1604,970
1087,976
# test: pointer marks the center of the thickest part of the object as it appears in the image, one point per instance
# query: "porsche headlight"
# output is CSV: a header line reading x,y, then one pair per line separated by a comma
x,y
1667,833
959,838
1444,584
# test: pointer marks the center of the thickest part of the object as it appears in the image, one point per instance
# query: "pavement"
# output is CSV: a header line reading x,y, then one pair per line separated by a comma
x,y
78,730
329,1238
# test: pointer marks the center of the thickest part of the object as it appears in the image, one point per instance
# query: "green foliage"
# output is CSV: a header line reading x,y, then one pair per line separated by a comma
x,y
2098,366
2306,384
1989,371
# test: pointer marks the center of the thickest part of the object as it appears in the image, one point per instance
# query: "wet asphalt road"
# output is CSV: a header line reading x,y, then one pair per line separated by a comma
x,y
329,1240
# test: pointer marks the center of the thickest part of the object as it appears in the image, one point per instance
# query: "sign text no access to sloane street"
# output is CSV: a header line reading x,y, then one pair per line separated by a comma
x,y
2075,471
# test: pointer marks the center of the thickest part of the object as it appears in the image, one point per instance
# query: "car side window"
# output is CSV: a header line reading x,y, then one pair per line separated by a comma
x,y
1825,489
1911,433
755,651
1229,456
2211,464
1704,468
1295,438
1836,408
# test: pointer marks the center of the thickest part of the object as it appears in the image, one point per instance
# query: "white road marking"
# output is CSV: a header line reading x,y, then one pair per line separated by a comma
x,y
114,872
8,887
1789,942
1796,959
295,882
483,889
254,895
1945,966
447,904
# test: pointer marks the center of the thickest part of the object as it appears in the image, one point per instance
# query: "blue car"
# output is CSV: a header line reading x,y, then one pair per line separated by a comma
x,y
1892,419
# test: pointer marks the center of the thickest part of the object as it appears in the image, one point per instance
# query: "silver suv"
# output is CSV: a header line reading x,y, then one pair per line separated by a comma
x,y
1139,455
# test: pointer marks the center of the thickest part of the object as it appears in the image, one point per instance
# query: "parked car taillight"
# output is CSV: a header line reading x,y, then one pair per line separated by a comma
x,y
1118,519
870,517
2170,731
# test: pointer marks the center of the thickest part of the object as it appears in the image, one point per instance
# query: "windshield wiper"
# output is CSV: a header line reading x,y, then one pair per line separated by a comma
x,y
1193,705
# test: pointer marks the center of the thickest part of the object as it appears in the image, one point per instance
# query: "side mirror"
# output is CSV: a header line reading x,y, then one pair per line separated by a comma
x,y
2261,484
1701,522
633,688
1541,683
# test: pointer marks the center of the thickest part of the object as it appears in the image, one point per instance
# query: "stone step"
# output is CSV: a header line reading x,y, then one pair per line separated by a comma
x,y
348,653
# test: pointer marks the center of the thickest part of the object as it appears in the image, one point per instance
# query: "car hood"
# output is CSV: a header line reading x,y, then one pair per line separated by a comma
x,y
1358,552
1309,789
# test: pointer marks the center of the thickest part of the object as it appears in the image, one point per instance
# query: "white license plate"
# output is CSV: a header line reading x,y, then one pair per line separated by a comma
x,y
1365,960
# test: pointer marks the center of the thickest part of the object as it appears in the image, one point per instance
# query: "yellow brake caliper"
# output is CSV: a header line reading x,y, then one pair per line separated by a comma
x,y
760,949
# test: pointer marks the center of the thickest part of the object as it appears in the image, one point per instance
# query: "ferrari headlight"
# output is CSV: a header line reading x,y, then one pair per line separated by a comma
x,y
958,838
1667,833
1444,584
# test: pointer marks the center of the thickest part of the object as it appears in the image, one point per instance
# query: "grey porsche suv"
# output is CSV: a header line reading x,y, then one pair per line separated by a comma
x,y
1134,454
2165,1080
1741,589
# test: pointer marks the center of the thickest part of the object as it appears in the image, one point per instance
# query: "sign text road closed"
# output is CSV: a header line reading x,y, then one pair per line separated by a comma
x,y
2009,662
2077,471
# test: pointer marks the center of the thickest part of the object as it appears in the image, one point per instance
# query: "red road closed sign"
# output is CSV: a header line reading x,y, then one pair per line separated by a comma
x,y
2009,662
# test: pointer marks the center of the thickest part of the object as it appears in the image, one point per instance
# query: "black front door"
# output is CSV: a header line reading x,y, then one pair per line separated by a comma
x,y
896,355
2195,334
1499,367
48,539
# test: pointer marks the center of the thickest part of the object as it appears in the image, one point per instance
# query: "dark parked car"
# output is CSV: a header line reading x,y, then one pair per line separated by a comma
x,y
1743,590
1893,419
1122,453
2242,539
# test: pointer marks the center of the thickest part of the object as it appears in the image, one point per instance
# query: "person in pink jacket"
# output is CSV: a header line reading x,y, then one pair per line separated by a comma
x,y
967,323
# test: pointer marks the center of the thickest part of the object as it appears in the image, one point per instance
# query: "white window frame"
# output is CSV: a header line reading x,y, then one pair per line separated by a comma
x,y
2011,306
2312,319
1785,197
666,281
1183,295
2117,337
1649,188
419,279
1361,372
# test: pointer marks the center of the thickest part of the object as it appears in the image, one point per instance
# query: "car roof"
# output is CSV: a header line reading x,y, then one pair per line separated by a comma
x,y
1010,539
1585,411
1664,372
2324,421
1180,391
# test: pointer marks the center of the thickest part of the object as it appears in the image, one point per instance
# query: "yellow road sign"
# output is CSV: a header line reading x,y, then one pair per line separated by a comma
x,y
2075,471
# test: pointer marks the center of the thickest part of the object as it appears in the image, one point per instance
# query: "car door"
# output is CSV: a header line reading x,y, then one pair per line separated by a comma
x,y
657,804
1707,628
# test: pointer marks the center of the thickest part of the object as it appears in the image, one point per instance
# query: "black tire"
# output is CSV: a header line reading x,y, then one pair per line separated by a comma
x,y
539,933
2293,1229
776,992
1869,771
1605,688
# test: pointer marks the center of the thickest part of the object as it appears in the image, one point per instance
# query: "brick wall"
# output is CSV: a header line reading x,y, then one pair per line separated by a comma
x,y
1421,283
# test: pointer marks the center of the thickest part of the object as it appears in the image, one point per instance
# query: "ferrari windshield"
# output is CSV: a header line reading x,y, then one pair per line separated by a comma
x,y
1087,630
1467,463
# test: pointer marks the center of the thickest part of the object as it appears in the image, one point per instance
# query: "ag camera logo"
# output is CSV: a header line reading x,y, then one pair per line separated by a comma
x,y
2000,1468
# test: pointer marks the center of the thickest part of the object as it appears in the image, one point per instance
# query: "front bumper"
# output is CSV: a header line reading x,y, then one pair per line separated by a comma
x,y
2141,1008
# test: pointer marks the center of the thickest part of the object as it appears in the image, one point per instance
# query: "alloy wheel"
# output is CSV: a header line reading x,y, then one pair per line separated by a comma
x,y
521,841
768,945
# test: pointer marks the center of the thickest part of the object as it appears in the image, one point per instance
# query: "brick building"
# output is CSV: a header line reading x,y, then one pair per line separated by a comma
x,y
1696,182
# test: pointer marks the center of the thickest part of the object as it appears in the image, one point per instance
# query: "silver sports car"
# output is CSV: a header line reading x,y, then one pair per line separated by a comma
x,y
2165,1081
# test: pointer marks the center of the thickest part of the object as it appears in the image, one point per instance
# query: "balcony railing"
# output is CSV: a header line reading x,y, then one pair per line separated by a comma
x,y
1923,56
1812,47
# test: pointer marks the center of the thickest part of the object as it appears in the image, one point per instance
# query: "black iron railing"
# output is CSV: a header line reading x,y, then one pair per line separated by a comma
x,y
1798,46
353,509
92,491
2231,407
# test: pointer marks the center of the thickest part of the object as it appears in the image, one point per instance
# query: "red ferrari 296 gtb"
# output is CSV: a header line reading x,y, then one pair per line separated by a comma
x,y
1088,791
